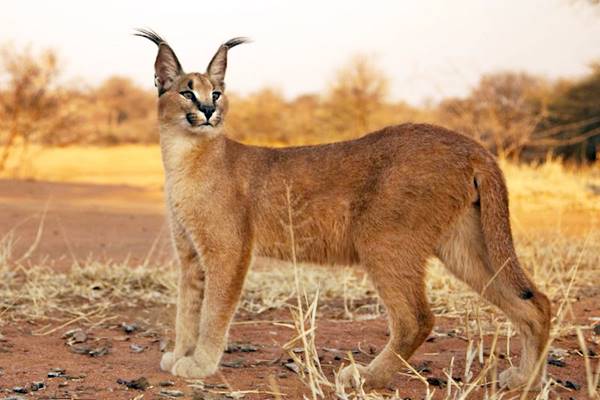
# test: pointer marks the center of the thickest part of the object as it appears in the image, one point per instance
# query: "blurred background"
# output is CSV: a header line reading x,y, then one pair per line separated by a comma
x,y
522,77
78,127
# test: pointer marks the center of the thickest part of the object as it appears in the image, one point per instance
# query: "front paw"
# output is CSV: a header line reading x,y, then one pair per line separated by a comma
x,y
188,367
167,361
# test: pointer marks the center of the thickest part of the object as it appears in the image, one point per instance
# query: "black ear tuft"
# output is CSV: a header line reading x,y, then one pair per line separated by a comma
x,y
235,41
150,35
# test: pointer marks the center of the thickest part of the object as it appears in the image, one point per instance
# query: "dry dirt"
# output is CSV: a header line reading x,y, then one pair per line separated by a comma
x,y
123,223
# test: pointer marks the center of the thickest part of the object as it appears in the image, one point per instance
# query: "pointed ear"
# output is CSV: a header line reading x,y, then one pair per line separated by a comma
x,y
166,67
218,65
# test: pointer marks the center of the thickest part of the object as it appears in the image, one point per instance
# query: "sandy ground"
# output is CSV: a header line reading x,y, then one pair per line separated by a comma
x,y
106,222
126,224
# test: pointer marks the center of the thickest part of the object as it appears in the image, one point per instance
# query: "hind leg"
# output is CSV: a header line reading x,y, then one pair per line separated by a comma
x,y
399,280
463,251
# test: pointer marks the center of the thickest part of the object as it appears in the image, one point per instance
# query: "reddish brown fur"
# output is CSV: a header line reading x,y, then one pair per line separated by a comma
x,y
388,201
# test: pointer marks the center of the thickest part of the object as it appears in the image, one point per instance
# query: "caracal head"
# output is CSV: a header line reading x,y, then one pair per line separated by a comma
x,y
194,102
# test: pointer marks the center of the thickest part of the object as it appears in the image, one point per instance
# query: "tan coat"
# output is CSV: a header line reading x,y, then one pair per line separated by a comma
x,y
388,201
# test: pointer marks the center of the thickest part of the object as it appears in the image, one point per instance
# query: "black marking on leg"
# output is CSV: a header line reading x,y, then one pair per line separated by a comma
x,y
526,294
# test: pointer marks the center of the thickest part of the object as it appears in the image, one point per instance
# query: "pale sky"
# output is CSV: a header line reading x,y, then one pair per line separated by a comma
x,y
429,49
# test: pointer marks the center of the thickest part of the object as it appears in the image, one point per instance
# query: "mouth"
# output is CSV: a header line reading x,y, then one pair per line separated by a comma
x,y
192,119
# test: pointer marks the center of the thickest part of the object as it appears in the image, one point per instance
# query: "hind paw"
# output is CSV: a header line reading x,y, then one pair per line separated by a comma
x,y
352,375
513,378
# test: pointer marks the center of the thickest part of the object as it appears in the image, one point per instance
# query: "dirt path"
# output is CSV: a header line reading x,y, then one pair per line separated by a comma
x,y
108,223
26,358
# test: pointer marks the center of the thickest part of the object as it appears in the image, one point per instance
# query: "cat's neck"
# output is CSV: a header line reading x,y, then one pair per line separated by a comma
x,y
182,151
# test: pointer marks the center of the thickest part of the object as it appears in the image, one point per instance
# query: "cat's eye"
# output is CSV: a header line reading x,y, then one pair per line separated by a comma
x,y
215,95
188,95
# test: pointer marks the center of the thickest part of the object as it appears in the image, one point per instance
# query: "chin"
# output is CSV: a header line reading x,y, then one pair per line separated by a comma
x,y
205,129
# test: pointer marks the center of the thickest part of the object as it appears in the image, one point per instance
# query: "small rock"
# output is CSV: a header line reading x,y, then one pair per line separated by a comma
x,y
423,368
138,384
171,393
136,348
572,385
166,383
292,366
439,382
597,329
75,336
241,347
35,386
129,328
56,373
99,351
14,398
556,362
20,389
239,363
63,384
79,337
87,350
282,375
80,349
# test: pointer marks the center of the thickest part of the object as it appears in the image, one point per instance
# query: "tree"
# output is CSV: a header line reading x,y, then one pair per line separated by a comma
x,y
358,93
30,102
258,118
572,126
502,111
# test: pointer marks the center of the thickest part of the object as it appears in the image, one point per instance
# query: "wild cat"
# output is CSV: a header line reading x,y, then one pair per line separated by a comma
x,y
387,201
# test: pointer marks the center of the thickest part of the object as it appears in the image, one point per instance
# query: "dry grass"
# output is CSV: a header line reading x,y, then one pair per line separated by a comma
x,y
136,165
88,294
36,292
547,186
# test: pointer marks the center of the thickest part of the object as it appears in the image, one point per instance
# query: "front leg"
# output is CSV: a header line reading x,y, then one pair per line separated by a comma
x,y
226,263
189,298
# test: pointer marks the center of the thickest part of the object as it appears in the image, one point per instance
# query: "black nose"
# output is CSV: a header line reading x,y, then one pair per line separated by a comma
x,y
207,110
